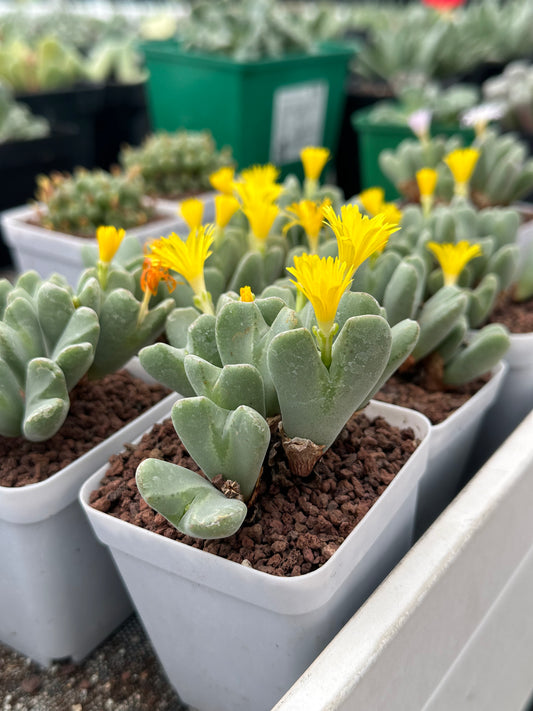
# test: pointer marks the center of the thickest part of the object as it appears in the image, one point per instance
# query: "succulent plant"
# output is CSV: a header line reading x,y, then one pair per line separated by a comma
x,y
447,353
254,360
115,59
78,204
49,66
51,336
502,175
175,164
513,90
247,30
17,123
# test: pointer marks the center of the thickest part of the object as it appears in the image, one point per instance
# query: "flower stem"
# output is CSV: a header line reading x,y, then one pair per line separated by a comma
x,y
144,307
204,302
325,343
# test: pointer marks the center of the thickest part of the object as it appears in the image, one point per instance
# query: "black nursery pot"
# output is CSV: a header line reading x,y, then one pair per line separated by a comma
x,y
77,105
359,94
122,118
22,161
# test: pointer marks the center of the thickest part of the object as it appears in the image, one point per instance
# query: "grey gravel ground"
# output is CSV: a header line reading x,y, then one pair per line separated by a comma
x,y
122,674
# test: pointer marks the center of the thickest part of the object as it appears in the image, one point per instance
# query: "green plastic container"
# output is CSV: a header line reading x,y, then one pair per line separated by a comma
x,y
376,137
266,110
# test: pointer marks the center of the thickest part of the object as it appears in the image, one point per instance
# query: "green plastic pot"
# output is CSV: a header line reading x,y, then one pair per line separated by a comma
x,y
373,138
266,110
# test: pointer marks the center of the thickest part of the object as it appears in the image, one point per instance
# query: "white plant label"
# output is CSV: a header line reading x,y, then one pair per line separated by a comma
x,y
298,117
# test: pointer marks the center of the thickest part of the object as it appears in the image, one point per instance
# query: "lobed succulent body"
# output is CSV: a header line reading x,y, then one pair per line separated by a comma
x,y
175,164
78,204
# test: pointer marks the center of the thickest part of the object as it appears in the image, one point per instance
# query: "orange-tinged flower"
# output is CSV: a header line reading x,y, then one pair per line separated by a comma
x,y
222,179
109,239
246,294
323,282
225,207
186,258
454,257
152,274
192,211
358,236
314,158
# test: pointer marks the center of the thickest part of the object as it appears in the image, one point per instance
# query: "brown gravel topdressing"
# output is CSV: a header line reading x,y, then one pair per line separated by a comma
x,y
402,389
517,316
295,525
98,409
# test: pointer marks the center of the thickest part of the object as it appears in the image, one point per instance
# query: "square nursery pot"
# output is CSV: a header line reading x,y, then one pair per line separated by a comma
x,y
451,444
232,638
451,627
48,252
78,105
266,110
514,400
373,138
21,161
60,595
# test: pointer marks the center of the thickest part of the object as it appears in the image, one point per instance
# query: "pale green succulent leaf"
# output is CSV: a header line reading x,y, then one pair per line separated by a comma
x,y
166,364
191,504
47,400
482,354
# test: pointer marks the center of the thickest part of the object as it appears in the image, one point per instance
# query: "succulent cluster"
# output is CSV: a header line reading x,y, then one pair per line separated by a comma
x,y
176,164
17,123
501,175
257,359
78,204
50,337
247,30
513,90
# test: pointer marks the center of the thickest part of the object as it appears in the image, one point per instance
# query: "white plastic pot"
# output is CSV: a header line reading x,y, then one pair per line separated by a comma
x,y
514,401
231,638
451,627
60,595
450,447
48,252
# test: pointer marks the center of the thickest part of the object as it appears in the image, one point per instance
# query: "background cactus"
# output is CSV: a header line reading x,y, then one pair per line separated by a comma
x,y
78,204
175,164
513,89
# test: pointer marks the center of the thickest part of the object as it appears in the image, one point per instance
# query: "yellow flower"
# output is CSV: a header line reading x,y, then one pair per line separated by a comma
x,y
258,183
372,200
310,215
358,236
109,239
323,282
454,257
462,162
314,159
186,258
260,175
261,216
192,211
426,179
225,207
392,214
222,179
246,294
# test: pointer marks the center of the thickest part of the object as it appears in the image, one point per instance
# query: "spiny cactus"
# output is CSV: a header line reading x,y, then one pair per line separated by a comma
x,y
78,204
175,164
259,359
